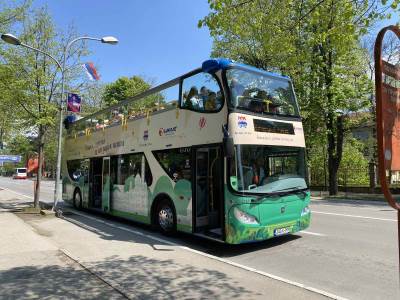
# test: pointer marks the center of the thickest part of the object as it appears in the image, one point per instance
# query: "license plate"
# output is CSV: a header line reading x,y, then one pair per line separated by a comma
x,y
281,231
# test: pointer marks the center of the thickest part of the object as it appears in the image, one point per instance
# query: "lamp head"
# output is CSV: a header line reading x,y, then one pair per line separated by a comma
x,y
10,39
109,40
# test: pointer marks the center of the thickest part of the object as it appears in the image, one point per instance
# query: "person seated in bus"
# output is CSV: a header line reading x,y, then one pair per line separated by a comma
x,y
116,117
204,93
236,90
211,103
256,106
258,171
191,100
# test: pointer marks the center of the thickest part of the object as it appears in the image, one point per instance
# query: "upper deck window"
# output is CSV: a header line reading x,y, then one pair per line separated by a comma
x,y
261,93
201,92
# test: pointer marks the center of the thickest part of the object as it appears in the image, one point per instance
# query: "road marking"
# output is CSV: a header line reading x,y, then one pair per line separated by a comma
x,y
250,269
262,273
352,216
312,233
6,189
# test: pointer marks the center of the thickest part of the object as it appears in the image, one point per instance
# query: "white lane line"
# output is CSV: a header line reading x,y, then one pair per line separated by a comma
x,y
262,273
351,216
312,233
19,194
294,283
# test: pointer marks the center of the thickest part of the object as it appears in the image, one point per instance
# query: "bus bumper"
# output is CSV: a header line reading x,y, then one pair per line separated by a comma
x,y
238,233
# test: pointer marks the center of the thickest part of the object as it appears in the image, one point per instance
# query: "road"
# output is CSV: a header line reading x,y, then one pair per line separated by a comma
x,y
350,249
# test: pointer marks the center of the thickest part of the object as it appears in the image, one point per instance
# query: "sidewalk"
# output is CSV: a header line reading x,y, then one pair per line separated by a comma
x,y
31,267
85,258
324,195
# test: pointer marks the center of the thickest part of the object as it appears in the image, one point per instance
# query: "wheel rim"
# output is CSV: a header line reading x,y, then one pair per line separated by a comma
x,y
166,218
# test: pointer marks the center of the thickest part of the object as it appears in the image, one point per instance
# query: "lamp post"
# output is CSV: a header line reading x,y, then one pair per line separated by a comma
x,y
13,40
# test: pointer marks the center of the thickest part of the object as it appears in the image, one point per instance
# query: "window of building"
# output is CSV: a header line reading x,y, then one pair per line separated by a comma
x,y
201,92
176,162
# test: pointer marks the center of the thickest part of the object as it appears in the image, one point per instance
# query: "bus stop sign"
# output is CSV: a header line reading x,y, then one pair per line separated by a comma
x,y
387,120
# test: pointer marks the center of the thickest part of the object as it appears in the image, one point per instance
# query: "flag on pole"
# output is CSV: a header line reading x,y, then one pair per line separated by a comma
x,y
91,71
74,103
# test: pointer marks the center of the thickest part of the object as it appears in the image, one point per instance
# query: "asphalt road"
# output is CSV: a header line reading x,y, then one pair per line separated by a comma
x,y
349,250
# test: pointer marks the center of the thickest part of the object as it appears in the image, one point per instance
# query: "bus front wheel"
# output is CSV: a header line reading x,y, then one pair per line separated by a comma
x,y
77,199
165,217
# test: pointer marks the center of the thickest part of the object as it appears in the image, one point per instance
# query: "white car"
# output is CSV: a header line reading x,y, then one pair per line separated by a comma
x,y
20,173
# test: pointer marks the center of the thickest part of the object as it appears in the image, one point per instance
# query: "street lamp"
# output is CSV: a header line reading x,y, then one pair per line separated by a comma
x,y
13,40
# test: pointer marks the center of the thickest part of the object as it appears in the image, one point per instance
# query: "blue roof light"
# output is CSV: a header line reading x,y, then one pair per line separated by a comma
x,y
215,64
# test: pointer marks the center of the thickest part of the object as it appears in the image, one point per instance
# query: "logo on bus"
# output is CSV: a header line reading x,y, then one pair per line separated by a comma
x,y
242,123
202,123
146,135
167,131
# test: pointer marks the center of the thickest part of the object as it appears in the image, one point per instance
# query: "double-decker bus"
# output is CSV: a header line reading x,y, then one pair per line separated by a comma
x,y
218,152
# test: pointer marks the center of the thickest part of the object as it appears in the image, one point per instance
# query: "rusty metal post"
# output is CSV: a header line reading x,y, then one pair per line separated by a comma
x,y
379,123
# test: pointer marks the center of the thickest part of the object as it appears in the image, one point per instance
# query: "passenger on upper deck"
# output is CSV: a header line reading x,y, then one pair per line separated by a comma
x,y
236,90
192,99
211,103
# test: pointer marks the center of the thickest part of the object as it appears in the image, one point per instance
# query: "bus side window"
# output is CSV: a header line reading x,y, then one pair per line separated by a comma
x,y
176,163
201,92
133,165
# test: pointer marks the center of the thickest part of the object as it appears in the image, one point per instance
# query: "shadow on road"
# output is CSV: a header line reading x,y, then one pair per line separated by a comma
x,y
211,247
14,205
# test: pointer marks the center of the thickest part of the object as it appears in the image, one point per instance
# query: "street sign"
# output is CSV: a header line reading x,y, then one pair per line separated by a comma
x,y
10,158
387,77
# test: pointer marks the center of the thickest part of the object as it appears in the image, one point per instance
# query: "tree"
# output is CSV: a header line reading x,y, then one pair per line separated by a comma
x,y
124,88
9,15
22,145
34,80
317,43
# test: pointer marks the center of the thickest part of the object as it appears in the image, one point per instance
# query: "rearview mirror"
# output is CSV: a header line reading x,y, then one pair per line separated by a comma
x,y
228,146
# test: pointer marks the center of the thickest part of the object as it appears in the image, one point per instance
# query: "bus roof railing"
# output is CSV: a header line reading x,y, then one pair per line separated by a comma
x,y
210,66
139,96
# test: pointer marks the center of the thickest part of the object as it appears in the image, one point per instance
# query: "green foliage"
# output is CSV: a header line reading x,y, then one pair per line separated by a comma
x,y
22,145
11,13
316,43
31,81
124,88
353,169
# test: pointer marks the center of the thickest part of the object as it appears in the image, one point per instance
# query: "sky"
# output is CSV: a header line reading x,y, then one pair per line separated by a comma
x,y
158,39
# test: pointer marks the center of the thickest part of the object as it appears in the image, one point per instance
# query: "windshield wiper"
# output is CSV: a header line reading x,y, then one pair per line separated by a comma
x,y
290,190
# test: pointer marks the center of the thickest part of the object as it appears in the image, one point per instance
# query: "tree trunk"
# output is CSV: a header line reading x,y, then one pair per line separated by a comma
x,y
335,151
40,167
1,138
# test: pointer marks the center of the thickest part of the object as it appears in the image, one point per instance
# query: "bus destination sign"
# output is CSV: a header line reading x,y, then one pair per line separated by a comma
x,y
273,126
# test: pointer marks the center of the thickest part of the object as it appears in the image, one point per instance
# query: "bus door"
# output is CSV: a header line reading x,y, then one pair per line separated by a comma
x,y
95,182
209,190
106,185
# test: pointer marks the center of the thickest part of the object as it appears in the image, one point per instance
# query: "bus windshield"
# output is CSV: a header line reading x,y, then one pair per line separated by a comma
x,y
261,93
268,169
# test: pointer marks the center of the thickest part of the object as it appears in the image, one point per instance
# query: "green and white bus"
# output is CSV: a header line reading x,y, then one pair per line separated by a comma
x,y
218,152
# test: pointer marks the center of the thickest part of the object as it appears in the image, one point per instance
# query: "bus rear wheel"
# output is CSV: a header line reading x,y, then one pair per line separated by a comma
x,y
77,199
165,217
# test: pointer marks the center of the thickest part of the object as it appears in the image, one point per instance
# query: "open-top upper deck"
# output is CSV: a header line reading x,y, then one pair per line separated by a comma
x,y
168,96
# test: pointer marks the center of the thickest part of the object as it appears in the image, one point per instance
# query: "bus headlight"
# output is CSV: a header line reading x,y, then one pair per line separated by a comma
x,y
244,218
305,211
